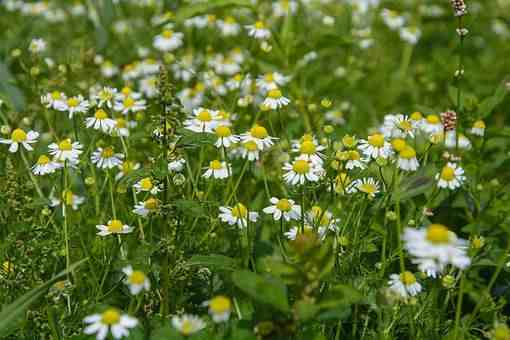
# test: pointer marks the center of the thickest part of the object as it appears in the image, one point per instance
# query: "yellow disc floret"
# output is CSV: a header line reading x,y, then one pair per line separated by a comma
x,y
438,234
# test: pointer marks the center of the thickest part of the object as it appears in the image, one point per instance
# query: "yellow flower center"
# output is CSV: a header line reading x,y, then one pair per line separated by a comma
x,y
223,131
105,95
65,145
407,152
137,278
269,77
349,141
115,226
230,20
301,166
405,125
283,205
18,136
407,278
43,160
307,147
447,173
146,184
126,91
127,166
110,317
129,102
100,114
259,132
107,152
260,25
275,94
151,204
55,95
239,211
368,188
416,116
121,123
479,124
220,304
204,116
354,155
376,140
187,327
438,234
167,34
67,196
250,145
433,119
398,144
215,165
73,102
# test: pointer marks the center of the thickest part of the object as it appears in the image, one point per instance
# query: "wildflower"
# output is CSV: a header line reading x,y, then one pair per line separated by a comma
x,y
271,81
397,126
405,284
478,128
220,308
451,177
136,280
258,31
202,120
336,117
168,40
407,159
449,120
309,149
110,320
188,324
126,168
410,34
368,185
451,141
129,104
300,171
249,150
120,127
392,19
432,125
293,232
113,227
45,166
275,100
37,45
353,159
225,136
105,97
54,100
106,158
322,218
375,146
283,208
177,165
69,199
282,8
459,7
435,247
228,26
238,214
146,184
258,134
66,151
217,169
73,105
146,207
100,121
19,136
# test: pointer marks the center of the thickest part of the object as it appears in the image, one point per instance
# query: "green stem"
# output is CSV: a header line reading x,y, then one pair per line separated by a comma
x,y
31,175
234,190
458,310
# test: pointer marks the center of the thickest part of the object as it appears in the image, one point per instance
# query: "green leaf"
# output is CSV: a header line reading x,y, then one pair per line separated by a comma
x,y
8,89
206,7
215,262
189,207
305,310
263,288
488,105
340,295
413,187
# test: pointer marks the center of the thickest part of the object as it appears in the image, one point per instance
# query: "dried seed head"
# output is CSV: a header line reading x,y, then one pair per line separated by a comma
x,y
459,7
449,119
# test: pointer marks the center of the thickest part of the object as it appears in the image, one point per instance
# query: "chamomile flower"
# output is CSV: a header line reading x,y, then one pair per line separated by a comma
x,y
397,126
217,169
20,137
120,127
375,146
66,150
225,136
146,185
168,40
126,168
392,19
229,26
275,100
283,8
405,285
293,232
478,128
202,120
450,140
407,160
176,165
322,218
309,149
237,215
435,247
45,166
76,104
220,308
108,69
69,198
105,97
136,280
100,121
336,117
300,171
37,45
54,100
368,186
451,177
354,160
146,207
188,324
106,158
259,135
410,34
283,208
113,227
129,104
249,150
111,320
258,31
271,81
432,124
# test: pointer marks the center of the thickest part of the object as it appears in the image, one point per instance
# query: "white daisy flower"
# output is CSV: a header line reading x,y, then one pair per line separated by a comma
x,y
105,97
54,100
392,19
202,120
258,31
451,141
113,227
368,186
238,214
397,126
283,8
478,128
451,177
20,137
275,100
176,165
249,150
375,146
410,34
168,40
120,127
136,280
228,27
225,137
37,45
146,185
188,324
100,121
220,308
417,120
217,170
258,134
106,158
66,151
435,247
110,320
108,69
73,105
293,232
354,160
148,86
336,117
129,104
271,81
407,160
146,207
283,208
69,198
309,149
405,285
45,166
432,125
300,171
322,218
126,168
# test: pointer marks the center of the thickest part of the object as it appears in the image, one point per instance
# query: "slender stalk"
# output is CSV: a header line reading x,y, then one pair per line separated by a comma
x,y
234,190
31,175
458,310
